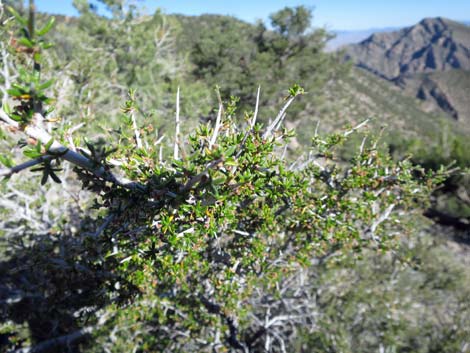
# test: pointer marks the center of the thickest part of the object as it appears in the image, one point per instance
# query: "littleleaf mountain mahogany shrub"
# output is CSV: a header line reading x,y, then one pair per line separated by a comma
x,y
204,252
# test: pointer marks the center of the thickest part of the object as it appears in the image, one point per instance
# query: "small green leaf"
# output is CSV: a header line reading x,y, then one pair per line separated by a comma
x,y
50,109
46,46
15,92
37,57
6,161
6,107
16,117
26,42
45,85
296,90
231,150
32,153
49,144
18,17
48,26
39,146
20,87
219,181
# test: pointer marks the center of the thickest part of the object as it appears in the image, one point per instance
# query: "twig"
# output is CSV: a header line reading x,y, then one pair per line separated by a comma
x,y
217,127
232,325
6,72
102,227
255,115
69,133
383,217
280,117
363,144
57,150
8,172
252,124
201,176
177,132
138,141
349,132
4,116
159,140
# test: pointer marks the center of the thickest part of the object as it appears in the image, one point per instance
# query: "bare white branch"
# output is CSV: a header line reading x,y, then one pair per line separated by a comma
x,y
382,218
357,127
252,124
12,123
177,132
69,133
138,140
57,150
217,127
280,117
255,115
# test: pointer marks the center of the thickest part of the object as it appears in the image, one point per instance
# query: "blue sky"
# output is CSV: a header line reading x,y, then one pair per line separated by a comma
x,y
334,14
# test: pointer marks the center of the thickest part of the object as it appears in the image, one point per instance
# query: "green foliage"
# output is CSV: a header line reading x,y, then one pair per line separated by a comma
x,y
415,299
243,57
291,22
199,252
29,90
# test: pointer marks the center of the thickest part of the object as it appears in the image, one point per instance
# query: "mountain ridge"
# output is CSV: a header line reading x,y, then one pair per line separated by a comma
x,y
345,37
431,45
430,60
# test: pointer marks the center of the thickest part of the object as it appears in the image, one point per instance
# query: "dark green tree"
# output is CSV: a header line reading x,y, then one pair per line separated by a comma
x,y
292,22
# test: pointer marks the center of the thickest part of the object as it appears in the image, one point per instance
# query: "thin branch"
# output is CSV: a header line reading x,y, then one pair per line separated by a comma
x,y
57,150
357,127
138,140
252,124
232,325
280,117
382,218
177,132
6,73
159,140
4,116
68,135
102,227
217,127
255,115
201,176
8,172
363,144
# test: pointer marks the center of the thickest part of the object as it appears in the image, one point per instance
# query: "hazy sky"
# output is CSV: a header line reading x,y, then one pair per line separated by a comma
x,y
334,14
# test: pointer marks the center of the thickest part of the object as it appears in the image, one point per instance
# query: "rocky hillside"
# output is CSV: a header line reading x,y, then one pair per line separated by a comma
x,y
432,45
446,90
430,61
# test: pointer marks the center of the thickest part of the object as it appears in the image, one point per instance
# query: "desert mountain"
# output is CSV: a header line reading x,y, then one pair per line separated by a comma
x,y
430,60
345,37
434,44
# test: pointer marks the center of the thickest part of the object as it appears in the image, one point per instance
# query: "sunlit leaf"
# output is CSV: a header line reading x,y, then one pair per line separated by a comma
x,y
47,27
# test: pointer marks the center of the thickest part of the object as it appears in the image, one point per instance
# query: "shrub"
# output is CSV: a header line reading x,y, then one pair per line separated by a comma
x,y
201,252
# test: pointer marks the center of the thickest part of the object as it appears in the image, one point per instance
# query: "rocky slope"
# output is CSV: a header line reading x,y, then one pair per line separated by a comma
x,y
432,45
430,61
